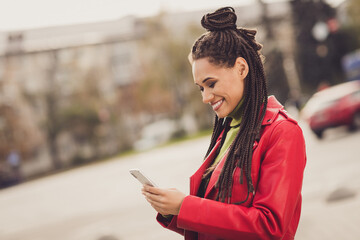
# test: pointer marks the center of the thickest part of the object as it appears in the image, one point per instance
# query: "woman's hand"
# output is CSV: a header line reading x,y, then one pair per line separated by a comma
x,y
164,201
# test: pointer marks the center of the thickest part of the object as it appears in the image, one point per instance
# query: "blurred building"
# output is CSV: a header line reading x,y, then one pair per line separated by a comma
x,y
67,92
43,71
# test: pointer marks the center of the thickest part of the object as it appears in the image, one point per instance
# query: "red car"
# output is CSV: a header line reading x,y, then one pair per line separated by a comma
x,y
334,106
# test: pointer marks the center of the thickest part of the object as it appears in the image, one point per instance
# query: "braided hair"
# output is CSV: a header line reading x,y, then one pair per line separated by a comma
x,y
222,44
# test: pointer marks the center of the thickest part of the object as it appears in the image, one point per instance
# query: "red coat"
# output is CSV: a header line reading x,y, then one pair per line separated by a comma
x,y
277,172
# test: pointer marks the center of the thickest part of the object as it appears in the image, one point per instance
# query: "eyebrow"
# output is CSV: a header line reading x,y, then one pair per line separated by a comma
x,y
208,78
204,81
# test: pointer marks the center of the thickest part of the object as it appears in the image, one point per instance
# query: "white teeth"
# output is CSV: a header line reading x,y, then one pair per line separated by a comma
x,y
216,105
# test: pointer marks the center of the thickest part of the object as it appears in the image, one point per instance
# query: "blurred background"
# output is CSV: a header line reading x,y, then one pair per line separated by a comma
x,y
90,89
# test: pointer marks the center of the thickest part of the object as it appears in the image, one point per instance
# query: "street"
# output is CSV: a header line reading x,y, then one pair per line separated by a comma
x,y
103,201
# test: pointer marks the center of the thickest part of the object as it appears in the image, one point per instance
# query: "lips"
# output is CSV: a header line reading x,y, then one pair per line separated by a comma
x,y
217,105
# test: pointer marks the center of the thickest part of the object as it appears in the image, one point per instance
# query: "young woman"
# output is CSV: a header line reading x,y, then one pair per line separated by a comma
x,y
249,186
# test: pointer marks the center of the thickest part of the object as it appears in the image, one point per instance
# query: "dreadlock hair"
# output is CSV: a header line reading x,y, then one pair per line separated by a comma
x,y
222,44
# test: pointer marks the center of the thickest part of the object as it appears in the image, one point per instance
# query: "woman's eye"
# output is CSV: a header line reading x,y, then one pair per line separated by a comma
x,y
201,89
212,85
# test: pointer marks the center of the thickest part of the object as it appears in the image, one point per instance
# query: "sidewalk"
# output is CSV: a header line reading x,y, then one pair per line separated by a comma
x,y
101,200
331,191
338,220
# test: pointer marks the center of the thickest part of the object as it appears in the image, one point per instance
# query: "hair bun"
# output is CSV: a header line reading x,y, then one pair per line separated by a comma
x,y
221,19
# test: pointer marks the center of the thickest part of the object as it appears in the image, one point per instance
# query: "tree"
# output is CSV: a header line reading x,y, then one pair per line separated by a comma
x,y
316,44
18,128
166,85
51,98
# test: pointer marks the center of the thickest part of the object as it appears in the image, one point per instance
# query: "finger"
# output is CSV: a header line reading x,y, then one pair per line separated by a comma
x,y
159,207
153,190
156,204
159,210
154,197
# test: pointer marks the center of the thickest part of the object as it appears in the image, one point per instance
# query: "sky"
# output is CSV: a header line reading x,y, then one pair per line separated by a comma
x,y
26,14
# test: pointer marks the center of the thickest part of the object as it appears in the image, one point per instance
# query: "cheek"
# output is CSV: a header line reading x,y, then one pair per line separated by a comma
x,y
237,93
240,87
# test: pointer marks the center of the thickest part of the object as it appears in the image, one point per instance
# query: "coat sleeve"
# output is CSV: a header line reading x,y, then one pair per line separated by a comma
x,y
169,223
277,195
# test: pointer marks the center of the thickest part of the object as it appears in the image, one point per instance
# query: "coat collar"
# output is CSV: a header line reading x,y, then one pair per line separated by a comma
x,y
272,110
195,180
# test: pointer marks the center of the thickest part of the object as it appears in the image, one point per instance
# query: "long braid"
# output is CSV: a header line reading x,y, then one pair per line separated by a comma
x,y
222,45
215,134
224,126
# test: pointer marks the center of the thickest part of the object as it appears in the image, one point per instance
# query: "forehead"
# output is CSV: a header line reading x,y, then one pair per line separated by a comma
x,y
202,68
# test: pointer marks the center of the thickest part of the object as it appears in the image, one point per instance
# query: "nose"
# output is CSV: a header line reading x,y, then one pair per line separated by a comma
x,y
207,96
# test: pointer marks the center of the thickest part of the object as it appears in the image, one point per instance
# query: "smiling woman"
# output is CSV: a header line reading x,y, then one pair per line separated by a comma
x,y
220,87
249,186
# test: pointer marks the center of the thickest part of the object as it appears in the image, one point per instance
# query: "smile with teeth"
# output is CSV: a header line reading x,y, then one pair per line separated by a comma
x,y
217,105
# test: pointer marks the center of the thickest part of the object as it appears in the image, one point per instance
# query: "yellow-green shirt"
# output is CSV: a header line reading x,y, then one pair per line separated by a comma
x,y
230,137
231,134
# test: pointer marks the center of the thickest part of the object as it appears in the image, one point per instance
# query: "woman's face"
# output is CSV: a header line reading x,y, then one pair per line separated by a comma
x,y
221,87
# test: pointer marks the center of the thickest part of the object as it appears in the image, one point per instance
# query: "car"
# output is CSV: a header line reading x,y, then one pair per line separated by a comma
x,y
334,106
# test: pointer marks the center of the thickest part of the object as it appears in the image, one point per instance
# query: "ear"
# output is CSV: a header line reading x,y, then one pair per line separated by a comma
x,y
190,58
242,66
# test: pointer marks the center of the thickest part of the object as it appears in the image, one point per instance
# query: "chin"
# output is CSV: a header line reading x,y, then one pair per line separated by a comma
x,y
221,115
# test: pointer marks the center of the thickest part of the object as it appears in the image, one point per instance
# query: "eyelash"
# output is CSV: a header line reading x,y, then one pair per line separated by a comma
x,y
210,86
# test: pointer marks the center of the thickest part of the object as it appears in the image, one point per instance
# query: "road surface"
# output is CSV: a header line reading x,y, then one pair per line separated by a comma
x,y
103,201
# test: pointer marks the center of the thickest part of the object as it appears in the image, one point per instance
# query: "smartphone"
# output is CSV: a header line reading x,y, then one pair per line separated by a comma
x,y
142,178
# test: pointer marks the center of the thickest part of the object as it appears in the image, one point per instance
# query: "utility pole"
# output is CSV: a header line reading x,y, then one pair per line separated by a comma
x,y
52,107
315,48
284,51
